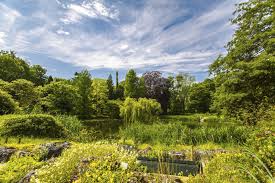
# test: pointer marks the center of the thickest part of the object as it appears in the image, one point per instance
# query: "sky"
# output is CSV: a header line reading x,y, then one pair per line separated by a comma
x,y
104,36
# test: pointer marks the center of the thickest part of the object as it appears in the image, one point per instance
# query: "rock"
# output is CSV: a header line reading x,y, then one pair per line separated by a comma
x,y
5,153
53,150
23,153
27,178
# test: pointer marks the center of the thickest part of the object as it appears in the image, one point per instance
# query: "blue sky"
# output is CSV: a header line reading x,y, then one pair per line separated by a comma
x,y
103,36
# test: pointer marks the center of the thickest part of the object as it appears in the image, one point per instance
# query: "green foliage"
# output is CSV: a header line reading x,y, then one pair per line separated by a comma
x,y
110,87
113,109
13,67
72,125
99,96
141,110
180,93
83,83
245,77
14,170
201,96
98,167
23,92
131,84
179,133
7,104
59,98
255,163
38,75
38,125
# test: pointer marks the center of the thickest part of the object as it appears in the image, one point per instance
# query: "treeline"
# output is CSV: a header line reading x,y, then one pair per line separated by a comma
x,y
28,89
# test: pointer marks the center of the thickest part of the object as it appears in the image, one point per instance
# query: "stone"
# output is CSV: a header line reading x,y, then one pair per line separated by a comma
x,y
53,150
5,153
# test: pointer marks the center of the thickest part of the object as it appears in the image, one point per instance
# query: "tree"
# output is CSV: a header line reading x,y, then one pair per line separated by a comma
x,y
23,91
157,87
49,80
141,88
38,75
83,83
201,96
99,95
245,77
131,84
110,87
12,67
59,98
179,90
142,110
7,104
116,79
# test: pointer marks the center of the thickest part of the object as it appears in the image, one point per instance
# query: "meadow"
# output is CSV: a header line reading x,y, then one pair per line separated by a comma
x,y
145,127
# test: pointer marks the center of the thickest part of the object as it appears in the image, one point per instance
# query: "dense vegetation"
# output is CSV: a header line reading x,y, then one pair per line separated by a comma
x,y
232,110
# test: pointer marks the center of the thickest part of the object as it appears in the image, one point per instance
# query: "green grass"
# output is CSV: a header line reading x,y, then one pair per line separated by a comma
x,y
179,133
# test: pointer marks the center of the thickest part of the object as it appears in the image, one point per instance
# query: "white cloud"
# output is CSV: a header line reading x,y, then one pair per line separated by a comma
x,y
62,32
90,9
2,38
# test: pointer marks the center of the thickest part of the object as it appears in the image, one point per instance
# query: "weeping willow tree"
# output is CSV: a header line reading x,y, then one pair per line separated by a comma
x,y
142,110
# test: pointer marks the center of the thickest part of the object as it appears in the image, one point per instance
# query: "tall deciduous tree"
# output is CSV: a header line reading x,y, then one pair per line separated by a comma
x,y
12,67
245,77
180,91
59,98
83,83
23,92
38,75
99,95
201,96
131,84
157,87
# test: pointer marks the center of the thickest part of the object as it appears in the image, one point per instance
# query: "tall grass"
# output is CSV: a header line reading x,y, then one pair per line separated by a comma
x,y
178,133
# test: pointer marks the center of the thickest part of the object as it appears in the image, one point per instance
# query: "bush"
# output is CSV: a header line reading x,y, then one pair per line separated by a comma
x,y
7,104
23,92
113,109
59,98
38,125
141,110
71,123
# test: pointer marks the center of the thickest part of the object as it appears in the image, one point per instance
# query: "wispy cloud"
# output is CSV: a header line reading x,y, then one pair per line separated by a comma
x,y
170,36
91,9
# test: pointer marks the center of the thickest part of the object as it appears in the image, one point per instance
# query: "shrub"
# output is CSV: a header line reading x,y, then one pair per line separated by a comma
x,y
38,125
113,109
141,110
7,104
23,92
59,98
71,123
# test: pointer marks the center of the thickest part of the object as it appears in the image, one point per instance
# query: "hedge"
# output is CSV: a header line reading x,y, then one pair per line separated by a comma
x,y
37,125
